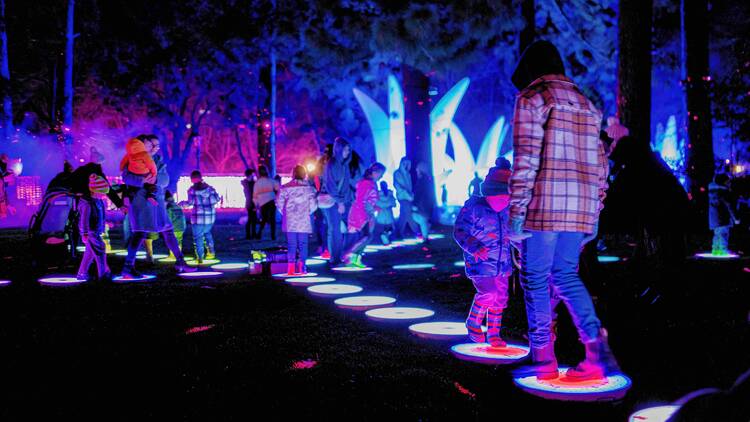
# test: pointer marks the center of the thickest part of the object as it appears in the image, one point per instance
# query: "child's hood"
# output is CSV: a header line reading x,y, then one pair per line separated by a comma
x,y
135,146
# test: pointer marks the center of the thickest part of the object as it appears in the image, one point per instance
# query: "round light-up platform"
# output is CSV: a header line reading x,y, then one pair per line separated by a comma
x,y
333,289
381,247
201,274
351,269
206,262
63,280
285,275
654,414
230,266
4,283
140,254
604,259
613,387
363,303
144,278
310,262
399,313
117,251
709,255
406,242
484,353
436,236
306,281
413,266
440,330
459,264
321,258
168,260
370,249
81,248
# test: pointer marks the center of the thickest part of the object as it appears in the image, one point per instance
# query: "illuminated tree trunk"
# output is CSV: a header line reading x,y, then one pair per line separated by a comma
x,y
7,118
634,68
417,105
272,139
700,157
68,89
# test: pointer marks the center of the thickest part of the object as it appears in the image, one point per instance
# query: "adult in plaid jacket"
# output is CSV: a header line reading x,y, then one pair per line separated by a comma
x,y
557,187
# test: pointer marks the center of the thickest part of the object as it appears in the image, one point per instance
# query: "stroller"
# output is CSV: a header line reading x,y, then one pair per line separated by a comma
x,y
55,224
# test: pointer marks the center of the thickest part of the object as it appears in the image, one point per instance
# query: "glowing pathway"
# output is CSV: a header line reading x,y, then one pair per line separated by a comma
x,y
398,314
604,259
709,255
230,266
201,274
459,264
206,262
333,289
60,281
440,330
363,303
145,278
435,236
285,275
370,249
412,266
613,387
484,353
351,269
306,281
381,247
117,251
311,262
168,260
654,414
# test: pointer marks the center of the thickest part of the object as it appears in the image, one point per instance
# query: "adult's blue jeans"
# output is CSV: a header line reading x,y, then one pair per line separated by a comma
x,y
550,259
334,236
202,236
296,243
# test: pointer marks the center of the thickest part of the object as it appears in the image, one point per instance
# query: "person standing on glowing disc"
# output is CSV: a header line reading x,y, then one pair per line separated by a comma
x,y
557,190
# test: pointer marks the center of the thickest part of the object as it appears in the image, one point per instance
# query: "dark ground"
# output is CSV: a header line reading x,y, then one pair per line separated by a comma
x,y
122,351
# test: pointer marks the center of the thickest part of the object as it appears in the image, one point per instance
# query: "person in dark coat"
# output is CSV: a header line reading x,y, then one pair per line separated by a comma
x,y
248,183
337,183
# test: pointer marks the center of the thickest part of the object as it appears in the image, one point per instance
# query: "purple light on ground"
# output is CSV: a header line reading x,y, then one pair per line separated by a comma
x,y
144,278
334,289
60,281
230,266
613,387
351,269
363,303
201,274
654,414
4,283
398,314
306,281
709,255
285,275
484,353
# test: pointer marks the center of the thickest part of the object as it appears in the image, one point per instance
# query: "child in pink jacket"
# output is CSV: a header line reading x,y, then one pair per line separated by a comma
x,y
362,214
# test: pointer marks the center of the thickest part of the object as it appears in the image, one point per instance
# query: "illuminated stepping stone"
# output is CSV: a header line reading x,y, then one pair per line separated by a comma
x,y
351,269
363,303
4,283
370,249
654,414
206,262
311,262
201,274
484,353
440,330
604,259
381,247
436,236
334,289
321,258
81,248
306,281
459,264
117,251
709,255
285,275
62,280
143,279
140,254
412,266
399,313
230,266
613,387
168,260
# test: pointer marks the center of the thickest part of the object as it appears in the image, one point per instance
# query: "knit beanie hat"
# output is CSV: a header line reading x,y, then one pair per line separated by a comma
x,y
98,185
496,181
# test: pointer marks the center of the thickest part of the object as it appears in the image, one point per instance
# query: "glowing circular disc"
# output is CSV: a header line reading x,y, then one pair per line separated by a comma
x,y
563,388
230,266
333,289
194,263
81,248
369,249
484,353
381,247
285,275
351,269
140,254
363,303
412,266
142,279
201,274
321,257
117,251
436,236
604,259
168,260
60,281
306,281
709,255
439,330
459,264
7,283
654,414
398,314
314,261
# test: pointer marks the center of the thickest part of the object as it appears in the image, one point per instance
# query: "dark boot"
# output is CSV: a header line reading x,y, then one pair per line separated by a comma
x,y
494,322
182,267
544,364
474,322
599,361
129,272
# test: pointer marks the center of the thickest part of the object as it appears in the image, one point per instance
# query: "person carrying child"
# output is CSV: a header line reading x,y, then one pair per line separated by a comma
x,y
479,231
139,162
721,216
91,223
296,202
203,199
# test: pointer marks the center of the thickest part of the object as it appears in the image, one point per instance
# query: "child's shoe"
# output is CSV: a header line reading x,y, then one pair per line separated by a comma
x,y
82,277
474,323
494,320
301,268
326,254
358,261
210,252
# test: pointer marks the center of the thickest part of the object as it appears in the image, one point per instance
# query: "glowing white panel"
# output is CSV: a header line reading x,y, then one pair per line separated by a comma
x,y
306,281
381,247
369,249
60,281
412,266
709,255
117,251
314,261
142,279
334,289
399,314
654,414
563,388
228,187
362,303
201,274
484,353
168,260
351,269
285,275
439,330
230,266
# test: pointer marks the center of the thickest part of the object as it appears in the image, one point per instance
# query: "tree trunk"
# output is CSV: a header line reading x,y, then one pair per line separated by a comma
x,y
68,90
7,118
238,141
700,157
528,34
272,139
634,68
417,118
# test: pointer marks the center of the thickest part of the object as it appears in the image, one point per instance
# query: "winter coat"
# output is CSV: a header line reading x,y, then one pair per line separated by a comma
x,y
176,216
337,178
91,216
365,207
423,194
203,198
265,191
478,225
719,206
296,201
142,215
386,202
247,188
403,185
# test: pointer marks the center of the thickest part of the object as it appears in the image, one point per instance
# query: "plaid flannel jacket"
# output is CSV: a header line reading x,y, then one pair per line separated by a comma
x,y
204,202
560,166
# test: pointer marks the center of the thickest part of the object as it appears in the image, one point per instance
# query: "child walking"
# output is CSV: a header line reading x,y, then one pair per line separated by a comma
x,y
479,232
361,221
296,202
91,225
203,198
384,220
177,217
721,216
138,161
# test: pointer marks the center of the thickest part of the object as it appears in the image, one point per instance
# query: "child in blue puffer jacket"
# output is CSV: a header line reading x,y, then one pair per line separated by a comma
x,y
479,232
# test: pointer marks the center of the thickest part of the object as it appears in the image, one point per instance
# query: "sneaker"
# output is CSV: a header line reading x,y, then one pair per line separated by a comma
x,y
129,272
183,267
210,255
326,255
82,277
